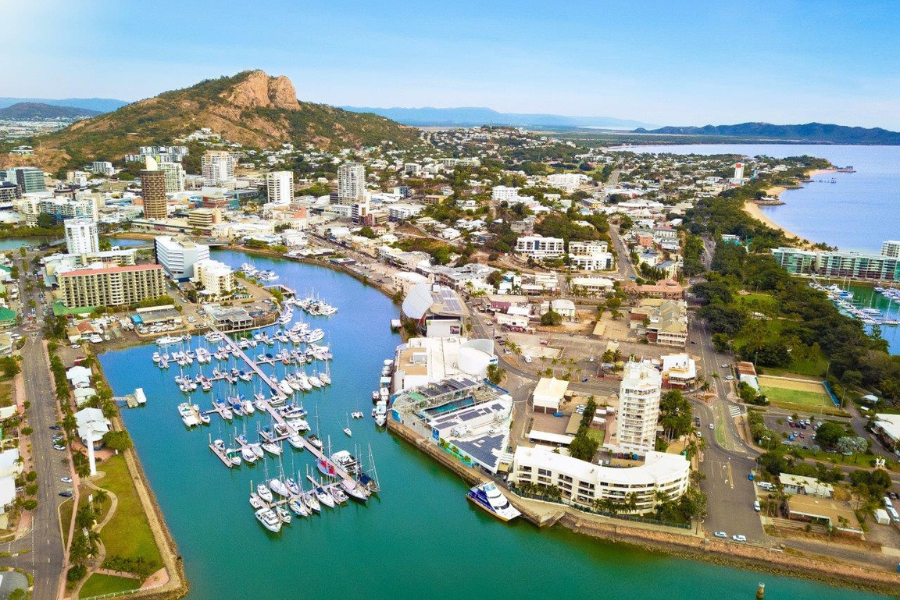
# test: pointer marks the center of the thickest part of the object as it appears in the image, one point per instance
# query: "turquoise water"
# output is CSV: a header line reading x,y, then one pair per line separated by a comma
x,y
15,244
419,539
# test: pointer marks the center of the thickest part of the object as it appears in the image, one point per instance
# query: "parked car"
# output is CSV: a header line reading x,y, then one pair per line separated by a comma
x,y
720,534
756,505
711,426
739,538
58,447
55,427
66,494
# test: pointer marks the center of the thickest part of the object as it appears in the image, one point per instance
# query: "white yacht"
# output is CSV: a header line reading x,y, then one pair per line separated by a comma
x,y
491,499
268,519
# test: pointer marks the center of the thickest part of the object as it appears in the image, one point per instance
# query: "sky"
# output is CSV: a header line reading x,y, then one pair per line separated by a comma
x,y
667,63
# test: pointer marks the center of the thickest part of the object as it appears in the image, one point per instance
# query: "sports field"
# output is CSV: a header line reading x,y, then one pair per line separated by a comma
x,y
789,391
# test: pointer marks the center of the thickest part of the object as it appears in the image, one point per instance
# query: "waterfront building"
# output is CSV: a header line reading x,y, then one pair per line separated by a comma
x,y
62,209
351,184
178,256
111,286
582,483
891,248
437,310
153,191
423,360
539,247
216,278
81,236
467,419
841,264
280,187
217,167
639,395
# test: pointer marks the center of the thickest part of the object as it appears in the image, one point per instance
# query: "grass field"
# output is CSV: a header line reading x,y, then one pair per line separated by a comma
x,y
128,533
799,397
97,585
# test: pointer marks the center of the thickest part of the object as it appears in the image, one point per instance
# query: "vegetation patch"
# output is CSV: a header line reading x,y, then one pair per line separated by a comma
x,y
801,397
98,584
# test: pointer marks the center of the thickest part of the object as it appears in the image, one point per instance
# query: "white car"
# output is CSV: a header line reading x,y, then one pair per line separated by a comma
x,y
729,378
711,426
720,534
739,538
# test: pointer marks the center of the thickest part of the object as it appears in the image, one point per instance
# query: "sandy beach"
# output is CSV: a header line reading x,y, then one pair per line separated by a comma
x,y
756,212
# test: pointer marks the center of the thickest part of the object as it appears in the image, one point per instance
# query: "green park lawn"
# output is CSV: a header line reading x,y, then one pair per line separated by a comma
x,y
128,533
797,397
97,585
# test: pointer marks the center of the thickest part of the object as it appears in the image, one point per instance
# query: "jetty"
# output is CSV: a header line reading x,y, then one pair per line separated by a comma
x,y
281,397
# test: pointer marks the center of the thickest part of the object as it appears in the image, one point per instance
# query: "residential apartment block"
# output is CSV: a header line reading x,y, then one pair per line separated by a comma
x,y
841,263
539,247
178,257
111,286
351,183
81,236
639,396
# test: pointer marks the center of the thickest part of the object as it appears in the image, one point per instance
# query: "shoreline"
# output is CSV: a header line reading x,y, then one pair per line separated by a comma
x,y
754,210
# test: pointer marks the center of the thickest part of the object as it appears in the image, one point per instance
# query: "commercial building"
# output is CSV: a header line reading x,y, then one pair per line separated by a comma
x,y
437,309
548,394
539,247
217,167
29,179
351,184
584,483
665,321
111,286
639,395
664,288
679,371
81,236
841,263
153,191
467,419
174,173
178,256
216,278
280,186
204,218
423,361
592,286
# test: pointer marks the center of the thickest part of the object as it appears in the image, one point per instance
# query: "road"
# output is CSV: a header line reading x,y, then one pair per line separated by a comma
x,y
44,543
623,256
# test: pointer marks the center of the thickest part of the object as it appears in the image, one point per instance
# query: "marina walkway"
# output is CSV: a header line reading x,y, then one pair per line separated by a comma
x,y
276,416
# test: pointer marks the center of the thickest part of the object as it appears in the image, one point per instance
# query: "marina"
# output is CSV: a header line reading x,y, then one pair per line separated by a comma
x,y
206,505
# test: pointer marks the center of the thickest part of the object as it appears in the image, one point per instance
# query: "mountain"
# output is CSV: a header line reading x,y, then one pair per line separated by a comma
x,y
474,116
249,108
28,111
820,133
99,105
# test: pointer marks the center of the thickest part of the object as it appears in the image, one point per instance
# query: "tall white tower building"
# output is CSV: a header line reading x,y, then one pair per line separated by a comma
x,y
217,167
739,171
639,396
280,186
351,183
81,236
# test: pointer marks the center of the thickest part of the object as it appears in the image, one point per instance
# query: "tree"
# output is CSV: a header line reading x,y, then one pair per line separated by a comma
x,y
829,433
551,318
46,221
10,366
368,232
495,374
117,440
853,445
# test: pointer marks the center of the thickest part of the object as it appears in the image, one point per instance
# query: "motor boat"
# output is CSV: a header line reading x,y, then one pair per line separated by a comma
x,y
263,491
492,500
269,519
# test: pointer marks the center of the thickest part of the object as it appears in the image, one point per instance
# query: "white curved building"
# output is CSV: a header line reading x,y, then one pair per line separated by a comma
x,y
583,482
474,357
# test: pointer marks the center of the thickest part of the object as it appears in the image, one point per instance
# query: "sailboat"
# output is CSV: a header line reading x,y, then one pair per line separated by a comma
x,y
347,428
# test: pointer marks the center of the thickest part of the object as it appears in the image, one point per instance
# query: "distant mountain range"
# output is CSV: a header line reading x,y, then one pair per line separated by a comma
x,y
820,133
100,105
474,116
28,111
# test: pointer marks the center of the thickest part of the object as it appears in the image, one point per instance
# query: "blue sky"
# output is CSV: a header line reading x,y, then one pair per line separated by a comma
x,y
660,62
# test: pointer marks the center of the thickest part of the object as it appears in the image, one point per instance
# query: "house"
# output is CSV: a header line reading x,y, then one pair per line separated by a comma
x,y
561,306
810,486
79,376
92,426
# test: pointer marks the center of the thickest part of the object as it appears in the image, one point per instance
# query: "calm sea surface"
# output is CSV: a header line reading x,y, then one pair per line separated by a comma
x,y
853,211
419,539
